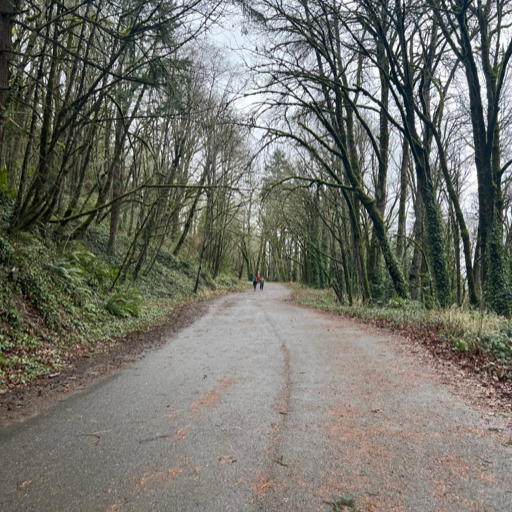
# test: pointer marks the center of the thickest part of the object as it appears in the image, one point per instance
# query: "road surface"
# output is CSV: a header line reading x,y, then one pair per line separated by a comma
x,y
259,405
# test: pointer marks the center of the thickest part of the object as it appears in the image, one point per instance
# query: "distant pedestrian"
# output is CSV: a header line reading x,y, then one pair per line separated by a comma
x,y
262,282
255,282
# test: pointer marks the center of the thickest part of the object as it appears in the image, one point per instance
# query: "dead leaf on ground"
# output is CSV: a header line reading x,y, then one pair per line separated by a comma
x,y
181,433
24,486
261,483
114,508
226,460
173,473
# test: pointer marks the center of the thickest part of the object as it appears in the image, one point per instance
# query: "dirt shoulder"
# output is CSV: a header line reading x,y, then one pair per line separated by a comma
x,y
22,403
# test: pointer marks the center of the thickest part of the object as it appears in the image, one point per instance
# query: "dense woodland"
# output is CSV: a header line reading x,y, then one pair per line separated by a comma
x,y
371,152
115,114
394,119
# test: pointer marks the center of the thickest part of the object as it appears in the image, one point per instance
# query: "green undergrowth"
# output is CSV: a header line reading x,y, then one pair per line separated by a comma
x,y
57,303
477,338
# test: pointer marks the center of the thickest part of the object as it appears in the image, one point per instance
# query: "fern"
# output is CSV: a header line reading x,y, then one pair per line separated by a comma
x,y
66,273
124,304
103,272
70,272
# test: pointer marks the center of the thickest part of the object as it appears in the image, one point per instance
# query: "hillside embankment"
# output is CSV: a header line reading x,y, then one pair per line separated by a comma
x,y
63,300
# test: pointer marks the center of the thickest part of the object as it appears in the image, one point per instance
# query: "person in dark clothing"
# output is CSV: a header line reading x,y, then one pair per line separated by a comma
x,y
262,282
255,282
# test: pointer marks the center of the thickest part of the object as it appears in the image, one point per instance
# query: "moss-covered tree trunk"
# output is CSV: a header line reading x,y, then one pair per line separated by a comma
x,y
417,255
374,275
420,152
402,217
6,24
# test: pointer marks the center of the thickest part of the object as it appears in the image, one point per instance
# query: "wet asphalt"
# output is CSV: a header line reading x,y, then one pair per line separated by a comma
x,y
259,405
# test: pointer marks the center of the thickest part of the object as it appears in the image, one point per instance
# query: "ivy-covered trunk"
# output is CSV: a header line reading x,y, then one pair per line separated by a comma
x,y
497,291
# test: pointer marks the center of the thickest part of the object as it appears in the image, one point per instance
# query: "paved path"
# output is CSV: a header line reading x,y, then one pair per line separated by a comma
x,y
260,405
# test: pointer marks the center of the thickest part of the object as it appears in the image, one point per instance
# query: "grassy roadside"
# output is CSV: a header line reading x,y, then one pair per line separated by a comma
x,y
57,304
477,342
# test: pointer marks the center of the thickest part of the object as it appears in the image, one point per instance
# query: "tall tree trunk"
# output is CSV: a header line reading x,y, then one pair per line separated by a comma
x,y
380,191
6,24
190,218
117,183
425,185
419,238
402,217
344,259
338,283
456,249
